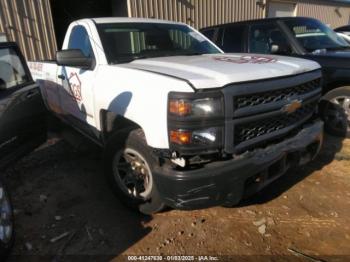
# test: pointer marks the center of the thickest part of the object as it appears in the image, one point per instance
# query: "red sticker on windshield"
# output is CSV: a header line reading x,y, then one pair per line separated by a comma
x,y
247,59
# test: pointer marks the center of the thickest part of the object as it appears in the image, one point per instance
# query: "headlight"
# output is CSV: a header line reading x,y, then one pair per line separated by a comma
x,y
196,122
197,107
210,136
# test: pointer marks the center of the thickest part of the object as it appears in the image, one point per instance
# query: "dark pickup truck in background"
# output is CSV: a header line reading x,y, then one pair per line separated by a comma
x,y
300,37
22,126
22,111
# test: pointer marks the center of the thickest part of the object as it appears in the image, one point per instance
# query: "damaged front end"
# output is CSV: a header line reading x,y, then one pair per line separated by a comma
x,y
227,182
231,142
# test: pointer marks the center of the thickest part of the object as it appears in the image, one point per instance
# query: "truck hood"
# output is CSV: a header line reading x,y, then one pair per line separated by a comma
x,y
217,70
332,59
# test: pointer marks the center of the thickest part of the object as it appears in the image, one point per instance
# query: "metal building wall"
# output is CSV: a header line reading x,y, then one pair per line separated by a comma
x,y
197,13
202,13
333,14
29,23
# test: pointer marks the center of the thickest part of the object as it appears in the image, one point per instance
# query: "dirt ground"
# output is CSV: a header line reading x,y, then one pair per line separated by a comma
x,y
64,210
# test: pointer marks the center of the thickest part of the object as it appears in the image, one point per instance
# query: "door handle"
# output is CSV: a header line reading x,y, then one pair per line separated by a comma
x,y
61,77
31,94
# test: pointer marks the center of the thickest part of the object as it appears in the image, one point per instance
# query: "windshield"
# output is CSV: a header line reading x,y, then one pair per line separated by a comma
x,y
125,42
315,36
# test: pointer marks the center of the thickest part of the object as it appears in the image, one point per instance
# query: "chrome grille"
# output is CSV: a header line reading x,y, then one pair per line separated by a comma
x,y
247,131
276,95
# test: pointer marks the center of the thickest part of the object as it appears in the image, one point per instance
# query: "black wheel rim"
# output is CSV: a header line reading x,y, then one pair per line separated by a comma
x,y
133,174
337,114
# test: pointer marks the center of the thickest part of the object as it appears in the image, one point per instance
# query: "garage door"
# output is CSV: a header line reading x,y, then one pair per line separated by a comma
x,y
280,9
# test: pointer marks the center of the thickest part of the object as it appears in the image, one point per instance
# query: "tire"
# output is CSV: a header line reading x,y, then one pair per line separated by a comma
x,y
335,111
131,163
6,223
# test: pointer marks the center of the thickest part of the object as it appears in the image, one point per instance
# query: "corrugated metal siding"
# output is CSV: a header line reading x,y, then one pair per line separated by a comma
x,y
334,14
29,23
202,13
198,13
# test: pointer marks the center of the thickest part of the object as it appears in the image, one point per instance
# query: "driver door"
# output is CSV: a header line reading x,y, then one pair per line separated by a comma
x,y
22,112
76,92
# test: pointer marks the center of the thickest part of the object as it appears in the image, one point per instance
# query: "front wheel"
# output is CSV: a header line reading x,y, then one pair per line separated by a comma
x,y
335,111
6,223
131,172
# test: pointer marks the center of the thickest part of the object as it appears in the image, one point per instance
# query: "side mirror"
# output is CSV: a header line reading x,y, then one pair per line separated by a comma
x,y
74,58
280,49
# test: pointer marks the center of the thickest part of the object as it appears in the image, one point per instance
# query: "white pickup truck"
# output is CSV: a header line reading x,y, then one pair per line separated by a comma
x,y
182,124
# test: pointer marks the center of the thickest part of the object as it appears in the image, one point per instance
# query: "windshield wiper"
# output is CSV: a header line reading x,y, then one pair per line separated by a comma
x,y
128,59
193,54
319,51
338,48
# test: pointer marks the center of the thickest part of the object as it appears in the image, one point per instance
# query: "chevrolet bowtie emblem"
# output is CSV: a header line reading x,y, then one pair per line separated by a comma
x,y
292,107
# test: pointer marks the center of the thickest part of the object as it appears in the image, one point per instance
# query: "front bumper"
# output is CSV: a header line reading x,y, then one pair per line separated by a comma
x,y
227,182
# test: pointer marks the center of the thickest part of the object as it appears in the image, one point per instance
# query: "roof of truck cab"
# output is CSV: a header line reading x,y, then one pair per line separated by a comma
x,y
104,20
259,21
7,44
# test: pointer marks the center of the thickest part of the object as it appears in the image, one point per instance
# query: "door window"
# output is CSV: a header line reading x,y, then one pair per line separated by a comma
x,y
209,33
233,39
79,39
268,39
12,72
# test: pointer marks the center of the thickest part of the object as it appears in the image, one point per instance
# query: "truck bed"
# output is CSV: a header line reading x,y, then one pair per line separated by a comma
x,y
46,74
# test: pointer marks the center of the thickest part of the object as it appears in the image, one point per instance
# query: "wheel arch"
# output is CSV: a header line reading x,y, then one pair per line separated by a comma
x,y
336,115
330,90
112,123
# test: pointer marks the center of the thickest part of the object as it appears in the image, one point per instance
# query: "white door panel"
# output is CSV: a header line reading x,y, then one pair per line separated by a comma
x,y
76,93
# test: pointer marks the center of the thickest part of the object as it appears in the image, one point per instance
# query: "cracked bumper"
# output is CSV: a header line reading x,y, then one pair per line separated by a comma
x,y
227,182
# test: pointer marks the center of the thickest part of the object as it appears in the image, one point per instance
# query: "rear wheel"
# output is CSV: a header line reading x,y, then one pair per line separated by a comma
x,y
335,112
131,174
